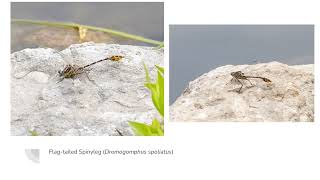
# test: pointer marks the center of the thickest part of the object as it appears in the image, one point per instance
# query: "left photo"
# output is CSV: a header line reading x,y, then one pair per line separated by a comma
x,y
87,69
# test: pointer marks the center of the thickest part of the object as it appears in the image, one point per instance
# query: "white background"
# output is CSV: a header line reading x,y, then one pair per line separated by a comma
x,y
219,151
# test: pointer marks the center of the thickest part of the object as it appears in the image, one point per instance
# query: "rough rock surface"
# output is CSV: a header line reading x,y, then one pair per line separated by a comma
x,y
98,102
213,97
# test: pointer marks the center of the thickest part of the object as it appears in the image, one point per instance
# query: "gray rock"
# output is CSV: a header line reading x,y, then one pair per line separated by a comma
x,y
214,97
98,102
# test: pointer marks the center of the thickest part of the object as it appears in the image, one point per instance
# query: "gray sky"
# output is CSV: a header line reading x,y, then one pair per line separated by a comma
x,y
197,49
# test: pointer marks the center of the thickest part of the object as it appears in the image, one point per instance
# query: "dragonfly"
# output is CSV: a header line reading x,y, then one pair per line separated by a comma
x,y
240,75
72,70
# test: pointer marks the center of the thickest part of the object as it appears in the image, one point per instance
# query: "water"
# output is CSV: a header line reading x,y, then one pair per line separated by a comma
x,y
197,49
139,18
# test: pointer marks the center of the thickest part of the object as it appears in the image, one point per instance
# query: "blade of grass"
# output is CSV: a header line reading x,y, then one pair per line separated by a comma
x,y
75,25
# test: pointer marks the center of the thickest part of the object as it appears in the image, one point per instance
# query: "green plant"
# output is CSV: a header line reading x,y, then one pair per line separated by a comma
x,y
157,95
33,133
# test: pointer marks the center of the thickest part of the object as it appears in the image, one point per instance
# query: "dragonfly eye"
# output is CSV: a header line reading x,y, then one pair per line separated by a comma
x,y
236,73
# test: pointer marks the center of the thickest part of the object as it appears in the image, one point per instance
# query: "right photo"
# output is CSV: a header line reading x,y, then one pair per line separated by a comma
x,y
241,73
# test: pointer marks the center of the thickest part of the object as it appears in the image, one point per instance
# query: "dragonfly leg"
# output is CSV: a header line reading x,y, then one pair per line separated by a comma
x,y
249,81
240,83
86,73
60,80
91,80
240,88
230,80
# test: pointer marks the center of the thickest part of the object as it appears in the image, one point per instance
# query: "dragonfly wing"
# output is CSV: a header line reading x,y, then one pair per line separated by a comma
x,y
74,52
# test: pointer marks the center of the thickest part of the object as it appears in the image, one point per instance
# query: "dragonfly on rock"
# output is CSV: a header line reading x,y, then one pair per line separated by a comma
x,y
240,75
71,71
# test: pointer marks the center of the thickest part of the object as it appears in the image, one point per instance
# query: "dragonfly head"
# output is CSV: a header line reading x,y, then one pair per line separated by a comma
x,y
237,73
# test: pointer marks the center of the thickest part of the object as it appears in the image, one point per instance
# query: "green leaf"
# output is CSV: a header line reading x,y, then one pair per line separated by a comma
x,y
157,91
160,85
155,124
157,96
141,129
161,69
33,133
148,79
157,127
